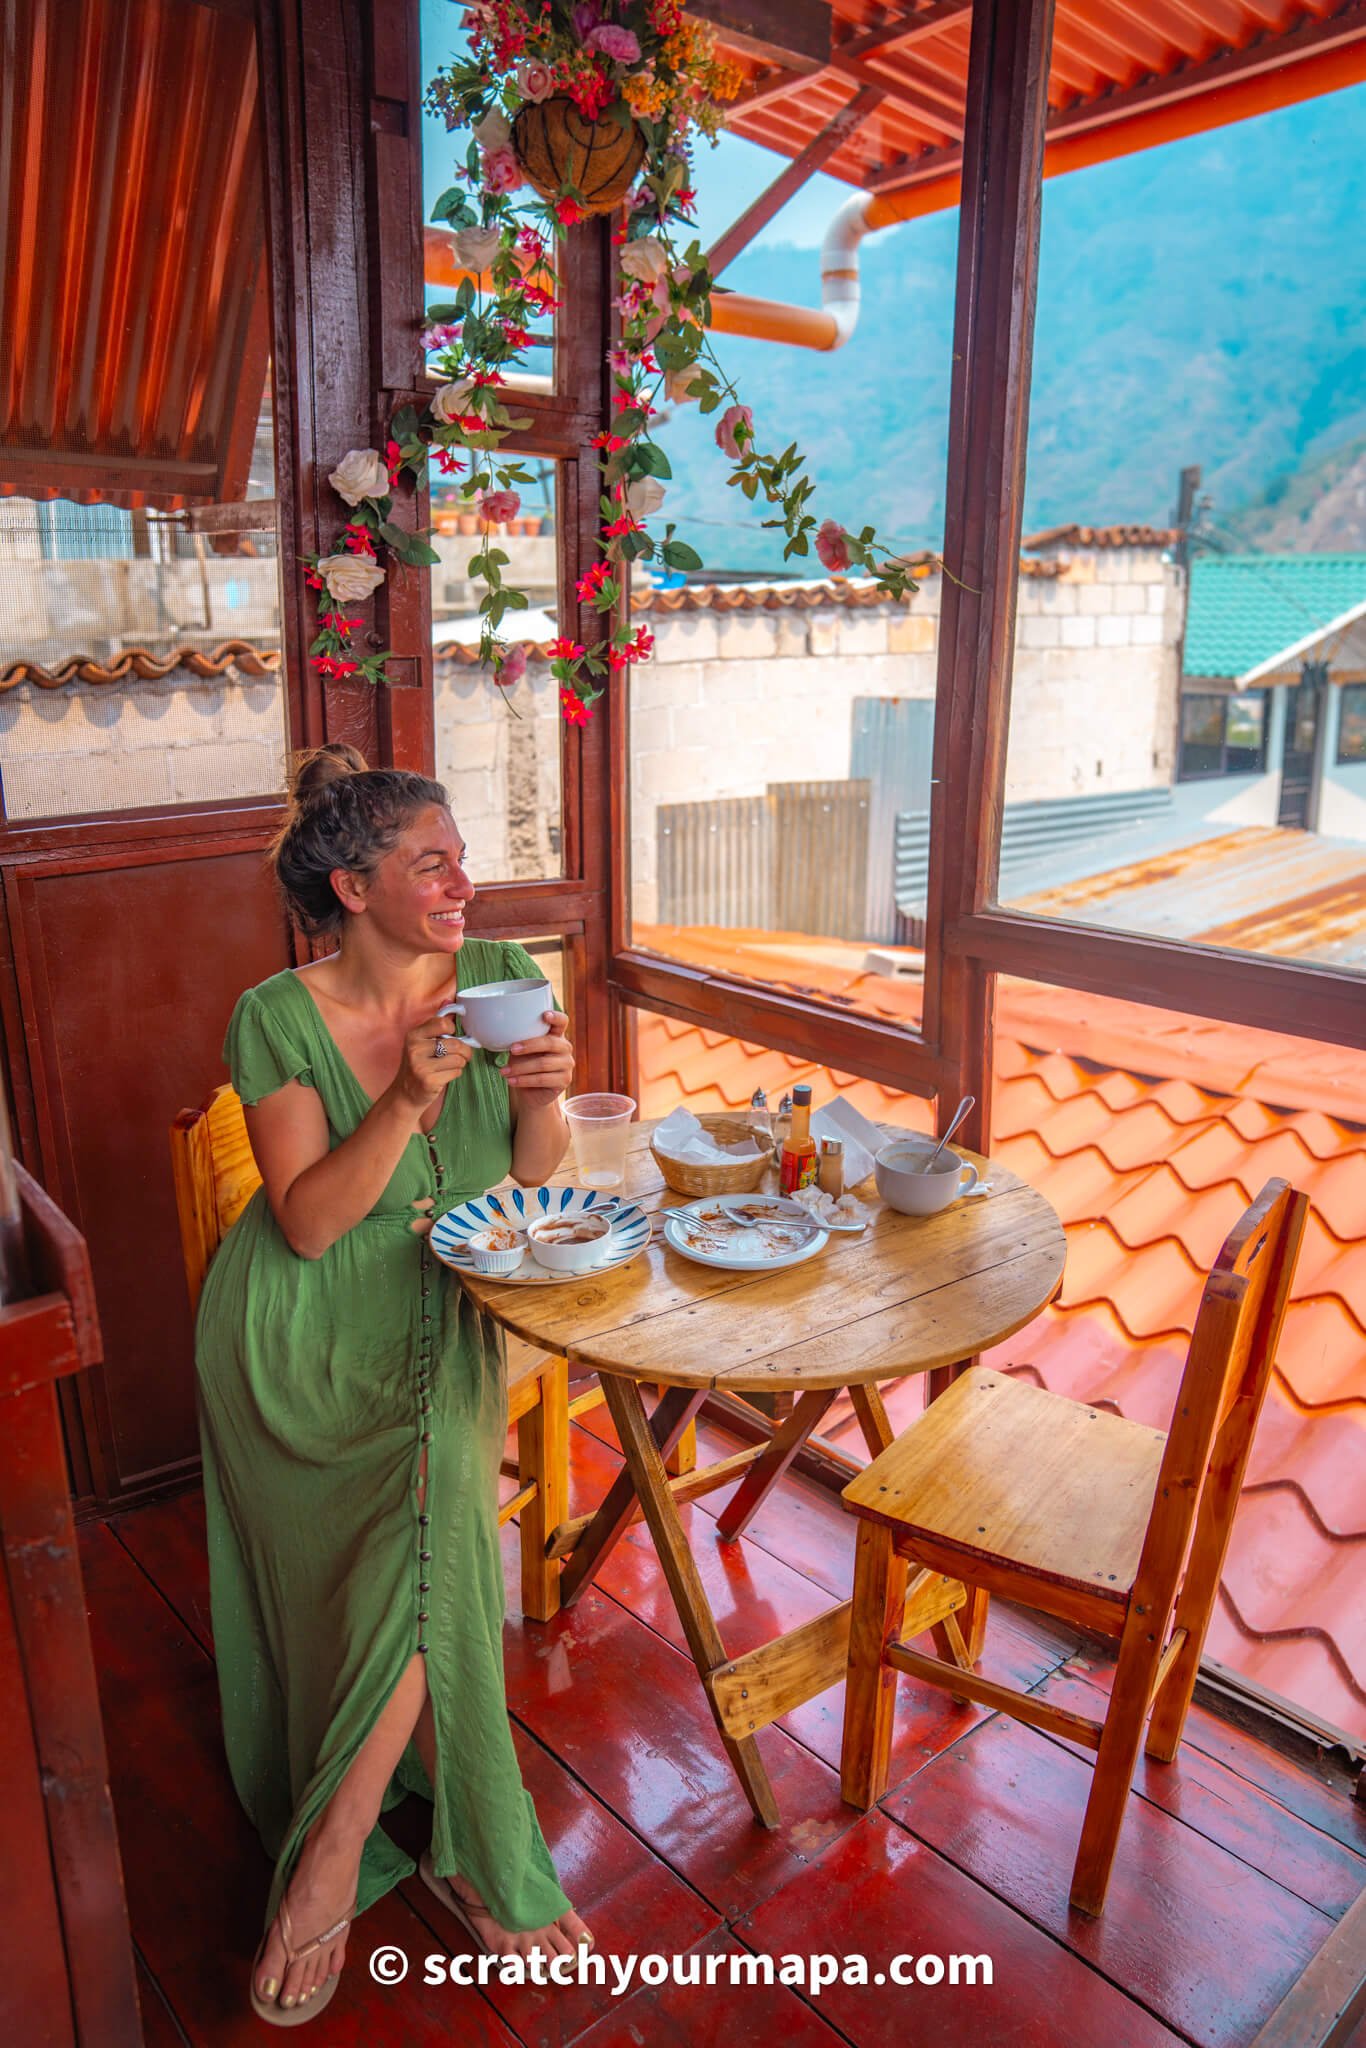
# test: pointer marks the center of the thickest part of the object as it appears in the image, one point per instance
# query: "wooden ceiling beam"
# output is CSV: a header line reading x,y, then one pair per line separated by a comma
x,y
1313,43
905,33
818,151
930,102
793,33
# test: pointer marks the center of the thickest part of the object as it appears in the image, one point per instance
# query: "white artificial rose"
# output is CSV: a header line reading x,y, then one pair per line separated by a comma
x,y
646,259
644,496
493,131
350,578
449,402
475,248
678,385
361,474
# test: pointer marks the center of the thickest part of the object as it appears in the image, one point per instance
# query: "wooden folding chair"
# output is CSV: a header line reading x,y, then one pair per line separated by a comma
x,y
1081,1515
215,1178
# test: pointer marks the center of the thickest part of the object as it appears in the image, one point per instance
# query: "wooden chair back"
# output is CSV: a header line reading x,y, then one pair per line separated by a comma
x,y
215,1177
1223,1384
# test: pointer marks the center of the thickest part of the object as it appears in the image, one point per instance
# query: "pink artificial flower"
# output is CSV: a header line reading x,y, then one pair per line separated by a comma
x,y
512,667
500,169
832,545
535,81
500,506
444,335
617,43
731,418
586,17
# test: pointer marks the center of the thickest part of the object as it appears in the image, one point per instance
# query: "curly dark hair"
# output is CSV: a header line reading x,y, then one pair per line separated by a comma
x,y
342,814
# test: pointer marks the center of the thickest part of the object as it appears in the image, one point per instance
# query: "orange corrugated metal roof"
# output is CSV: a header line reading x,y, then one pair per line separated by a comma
x,y
1149,1133
134,313
1120,78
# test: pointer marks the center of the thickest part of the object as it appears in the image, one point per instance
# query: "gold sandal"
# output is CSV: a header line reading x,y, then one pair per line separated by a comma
x,y
269,2009
452,1901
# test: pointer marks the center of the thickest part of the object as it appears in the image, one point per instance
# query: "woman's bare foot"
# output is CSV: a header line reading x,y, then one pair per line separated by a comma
x,y
563,1937
321,1892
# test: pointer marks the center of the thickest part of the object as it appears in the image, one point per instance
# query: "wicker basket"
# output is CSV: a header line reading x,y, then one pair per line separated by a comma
x,y
735,1177
556,147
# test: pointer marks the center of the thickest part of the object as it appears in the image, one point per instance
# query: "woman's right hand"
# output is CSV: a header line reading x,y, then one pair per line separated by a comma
x,y
423,1071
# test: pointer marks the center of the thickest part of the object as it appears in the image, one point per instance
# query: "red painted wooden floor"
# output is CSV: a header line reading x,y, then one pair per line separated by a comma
x,y
1233,1866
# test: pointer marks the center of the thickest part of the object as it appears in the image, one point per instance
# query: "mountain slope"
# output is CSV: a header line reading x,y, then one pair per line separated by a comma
x,y
1197,303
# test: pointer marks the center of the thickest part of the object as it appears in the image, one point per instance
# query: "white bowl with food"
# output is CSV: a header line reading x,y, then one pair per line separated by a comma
x,y
497,1250
569,1244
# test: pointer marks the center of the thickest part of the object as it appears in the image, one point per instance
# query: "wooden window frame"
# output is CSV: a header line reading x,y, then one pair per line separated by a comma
x,y
970,939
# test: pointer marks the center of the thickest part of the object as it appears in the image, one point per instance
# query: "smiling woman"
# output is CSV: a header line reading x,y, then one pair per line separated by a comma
x,y
354,1404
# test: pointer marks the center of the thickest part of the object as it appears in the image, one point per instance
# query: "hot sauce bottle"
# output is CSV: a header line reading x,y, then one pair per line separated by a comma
x,y
798,1162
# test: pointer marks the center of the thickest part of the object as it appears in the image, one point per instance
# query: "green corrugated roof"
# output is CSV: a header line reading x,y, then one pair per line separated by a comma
x,y
1245,608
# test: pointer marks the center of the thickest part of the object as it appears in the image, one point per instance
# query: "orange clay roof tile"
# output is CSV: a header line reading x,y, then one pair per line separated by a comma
x,y
1148,1132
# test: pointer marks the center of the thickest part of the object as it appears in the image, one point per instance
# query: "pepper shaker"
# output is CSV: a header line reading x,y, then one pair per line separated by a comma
x,y
830,1167
782,1123
760,1122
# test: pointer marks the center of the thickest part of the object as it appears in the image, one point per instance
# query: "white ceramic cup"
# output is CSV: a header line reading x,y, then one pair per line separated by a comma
x,y
903,1183
500,1014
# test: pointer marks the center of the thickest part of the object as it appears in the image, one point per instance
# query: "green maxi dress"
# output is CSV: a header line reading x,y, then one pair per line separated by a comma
x,y
321,1381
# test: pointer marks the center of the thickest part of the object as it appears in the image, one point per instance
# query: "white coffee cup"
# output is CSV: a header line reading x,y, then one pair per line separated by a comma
x,y
904,1184
500,1014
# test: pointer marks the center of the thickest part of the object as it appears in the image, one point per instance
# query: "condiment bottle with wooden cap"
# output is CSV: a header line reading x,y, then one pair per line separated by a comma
x,y
830,1167
797,1164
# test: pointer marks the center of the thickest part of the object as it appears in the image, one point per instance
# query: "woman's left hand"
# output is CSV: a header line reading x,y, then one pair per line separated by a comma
x,y
543,1068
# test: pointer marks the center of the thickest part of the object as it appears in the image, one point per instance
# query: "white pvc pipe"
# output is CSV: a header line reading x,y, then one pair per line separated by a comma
x,y
839,265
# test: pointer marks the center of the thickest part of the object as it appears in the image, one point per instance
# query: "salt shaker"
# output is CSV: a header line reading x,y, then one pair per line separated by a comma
x,y
760,1122
782,1122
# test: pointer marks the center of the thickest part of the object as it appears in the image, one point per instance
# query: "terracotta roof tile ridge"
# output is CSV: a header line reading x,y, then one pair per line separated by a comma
x,y
1123,535
1145,1166
1292,1486
1336,1404
1307,1632
146,666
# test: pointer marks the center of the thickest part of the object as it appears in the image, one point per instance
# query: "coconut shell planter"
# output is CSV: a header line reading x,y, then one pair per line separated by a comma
x,y
556,147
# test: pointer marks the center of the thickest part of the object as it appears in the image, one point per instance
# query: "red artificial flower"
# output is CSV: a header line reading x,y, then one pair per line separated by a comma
x,y
565,649
448,462
393,458
487,377
618,657
573,709
313,579
337,622
515,337
529,243
540,299
591,582
685,198
569,213
611,442
625,522
358,540
643,644
333,665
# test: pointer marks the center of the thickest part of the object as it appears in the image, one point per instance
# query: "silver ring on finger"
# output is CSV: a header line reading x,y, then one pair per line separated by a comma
x,y
439,1049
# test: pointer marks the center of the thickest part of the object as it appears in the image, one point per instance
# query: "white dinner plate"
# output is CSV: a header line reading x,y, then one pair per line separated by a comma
x,y
699,1231
516,1207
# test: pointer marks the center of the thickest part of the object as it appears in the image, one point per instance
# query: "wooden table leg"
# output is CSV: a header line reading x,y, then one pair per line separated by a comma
x,y
646,1466
664,1428
683,1457
763,1476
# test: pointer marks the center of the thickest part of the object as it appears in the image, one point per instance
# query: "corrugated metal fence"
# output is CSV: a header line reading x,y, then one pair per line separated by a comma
x,y
793,859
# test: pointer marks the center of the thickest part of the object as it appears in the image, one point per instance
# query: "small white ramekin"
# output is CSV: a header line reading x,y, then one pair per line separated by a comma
x,y
495,1263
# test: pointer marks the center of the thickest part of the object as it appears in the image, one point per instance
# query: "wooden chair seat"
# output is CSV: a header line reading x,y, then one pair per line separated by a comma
x,y
216,1176
1006,1488
1004,1481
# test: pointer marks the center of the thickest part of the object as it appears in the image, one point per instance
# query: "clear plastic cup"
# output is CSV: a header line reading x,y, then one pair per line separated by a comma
x,y
600,1126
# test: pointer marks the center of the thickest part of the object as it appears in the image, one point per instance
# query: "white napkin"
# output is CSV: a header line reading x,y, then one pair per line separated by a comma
x,y
862,1139
681,1136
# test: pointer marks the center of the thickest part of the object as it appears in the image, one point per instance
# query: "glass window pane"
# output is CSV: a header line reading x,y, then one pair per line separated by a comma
x,y
498,752
1352,725
782,735
139,559
1166,773
1149,1131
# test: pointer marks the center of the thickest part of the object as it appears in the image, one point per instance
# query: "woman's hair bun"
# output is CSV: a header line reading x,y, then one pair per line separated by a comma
x,y
320,766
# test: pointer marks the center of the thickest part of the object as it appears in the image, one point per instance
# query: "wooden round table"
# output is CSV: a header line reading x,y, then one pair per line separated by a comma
x,y
910,1294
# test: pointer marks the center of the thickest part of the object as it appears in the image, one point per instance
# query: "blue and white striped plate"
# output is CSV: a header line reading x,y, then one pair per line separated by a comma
x,y
516,1207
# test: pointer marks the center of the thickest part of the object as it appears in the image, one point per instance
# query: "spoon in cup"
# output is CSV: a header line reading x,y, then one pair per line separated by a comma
x,y
968,1102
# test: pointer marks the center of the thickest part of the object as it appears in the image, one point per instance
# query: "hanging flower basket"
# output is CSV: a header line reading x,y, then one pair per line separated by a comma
x,y
558,148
